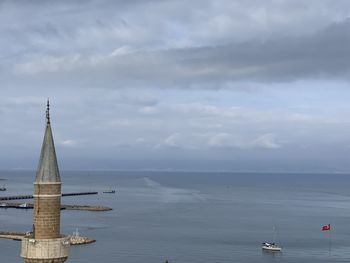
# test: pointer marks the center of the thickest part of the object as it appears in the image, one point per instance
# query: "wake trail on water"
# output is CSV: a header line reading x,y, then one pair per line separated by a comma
x,y
174,195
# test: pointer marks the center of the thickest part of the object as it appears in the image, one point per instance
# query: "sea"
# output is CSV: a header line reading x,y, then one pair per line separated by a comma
x,y
201,217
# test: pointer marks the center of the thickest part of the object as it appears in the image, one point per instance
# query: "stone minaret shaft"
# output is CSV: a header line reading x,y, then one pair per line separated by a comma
x,y
46,245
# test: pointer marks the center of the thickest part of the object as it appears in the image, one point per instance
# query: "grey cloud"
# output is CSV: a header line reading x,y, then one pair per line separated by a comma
x,y
113,44
128,79
323,55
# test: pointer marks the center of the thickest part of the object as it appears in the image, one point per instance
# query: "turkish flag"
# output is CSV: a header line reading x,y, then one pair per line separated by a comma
x,y
326,227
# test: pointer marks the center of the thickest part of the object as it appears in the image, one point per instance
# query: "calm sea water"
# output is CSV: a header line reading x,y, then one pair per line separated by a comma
x,y
196,217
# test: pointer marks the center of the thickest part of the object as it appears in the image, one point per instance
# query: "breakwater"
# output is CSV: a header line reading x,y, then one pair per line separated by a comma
x,y
94,208
73,239
17,197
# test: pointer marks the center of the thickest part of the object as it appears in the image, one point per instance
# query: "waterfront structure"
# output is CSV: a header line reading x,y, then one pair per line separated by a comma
x,y
45,244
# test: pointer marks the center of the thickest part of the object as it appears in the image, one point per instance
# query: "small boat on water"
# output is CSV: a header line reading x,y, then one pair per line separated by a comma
x,y
24,206
109,192
271,247
3,188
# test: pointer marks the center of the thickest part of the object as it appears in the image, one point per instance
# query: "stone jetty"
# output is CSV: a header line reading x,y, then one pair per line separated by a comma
x,y
73,239
93,208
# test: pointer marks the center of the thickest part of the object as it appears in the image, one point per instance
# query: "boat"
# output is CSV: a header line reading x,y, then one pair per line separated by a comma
x,y
109,192
271,247
3,188
24,206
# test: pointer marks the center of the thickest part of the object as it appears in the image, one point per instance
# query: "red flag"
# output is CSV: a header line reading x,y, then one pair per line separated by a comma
x,y
326,227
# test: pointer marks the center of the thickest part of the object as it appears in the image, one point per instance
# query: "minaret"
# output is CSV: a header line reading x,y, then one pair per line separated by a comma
x,y
45,244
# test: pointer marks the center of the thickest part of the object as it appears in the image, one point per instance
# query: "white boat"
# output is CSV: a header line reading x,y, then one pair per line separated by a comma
x,y
271,247
24,206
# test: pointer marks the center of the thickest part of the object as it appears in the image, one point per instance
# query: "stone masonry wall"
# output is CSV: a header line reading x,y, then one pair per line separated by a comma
x,y
45,250
47,211
47,188
54,260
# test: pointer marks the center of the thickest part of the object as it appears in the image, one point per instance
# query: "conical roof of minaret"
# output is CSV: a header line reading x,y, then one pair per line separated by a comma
x,y
48,168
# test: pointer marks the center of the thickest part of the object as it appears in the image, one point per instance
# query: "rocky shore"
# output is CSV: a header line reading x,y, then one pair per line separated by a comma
x,y
79,240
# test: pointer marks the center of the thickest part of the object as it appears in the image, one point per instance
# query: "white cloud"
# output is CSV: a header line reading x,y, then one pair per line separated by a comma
x,y
172,141
222,140
140,140
225,140
69,143
148,110
183,141
46,64
266,141
121,51
120,123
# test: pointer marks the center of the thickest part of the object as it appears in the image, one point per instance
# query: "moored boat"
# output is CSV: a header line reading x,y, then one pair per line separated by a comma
x,y
109,192
271,247
24,206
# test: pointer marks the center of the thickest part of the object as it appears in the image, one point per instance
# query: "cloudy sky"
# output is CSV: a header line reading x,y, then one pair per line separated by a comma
x,y
175,84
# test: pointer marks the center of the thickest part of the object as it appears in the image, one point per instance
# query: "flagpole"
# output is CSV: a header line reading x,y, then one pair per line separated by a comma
x,y
329,229
330,240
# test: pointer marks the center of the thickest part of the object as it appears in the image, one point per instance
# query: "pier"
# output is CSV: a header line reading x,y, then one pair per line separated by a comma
x,y
73,239
18,197
94,208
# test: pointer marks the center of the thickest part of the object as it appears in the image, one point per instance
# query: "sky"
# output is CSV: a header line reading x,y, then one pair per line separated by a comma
x,y
206,85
